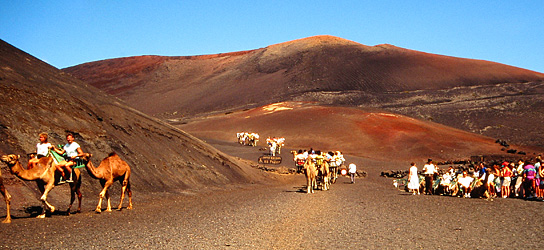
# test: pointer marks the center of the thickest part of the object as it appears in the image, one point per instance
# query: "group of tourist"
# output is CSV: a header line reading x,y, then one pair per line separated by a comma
x,y
334,159
247,138
275,144
524,179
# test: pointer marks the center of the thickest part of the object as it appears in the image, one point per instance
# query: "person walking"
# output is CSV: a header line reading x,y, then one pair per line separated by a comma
x,y
352,169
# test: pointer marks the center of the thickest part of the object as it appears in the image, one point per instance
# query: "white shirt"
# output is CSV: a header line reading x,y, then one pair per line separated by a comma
x,y
352,168
429,169
42,148
465,181
71,149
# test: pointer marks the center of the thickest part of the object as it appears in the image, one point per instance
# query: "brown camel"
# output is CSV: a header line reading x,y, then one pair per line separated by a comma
x,y
111,169
7,198
46,177
311,173
325,174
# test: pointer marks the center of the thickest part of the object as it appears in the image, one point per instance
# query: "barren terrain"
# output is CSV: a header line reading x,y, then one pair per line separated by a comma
x,y
477,96
174,120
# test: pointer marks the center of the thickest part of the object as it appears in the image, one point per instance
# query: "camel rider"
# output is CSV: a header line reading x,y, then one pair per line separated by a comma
x,y
339,159
319,159
73,151
300,159
42,150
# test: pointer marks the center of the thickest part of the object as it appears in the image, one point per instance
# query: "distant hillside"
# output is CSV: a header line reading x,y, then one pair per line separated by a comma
x,y
371,134
462,93
36,97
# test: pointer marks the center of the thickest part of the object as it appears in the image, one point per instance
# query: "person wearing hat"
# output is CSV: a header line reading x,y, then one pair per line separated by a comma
x,y
429,170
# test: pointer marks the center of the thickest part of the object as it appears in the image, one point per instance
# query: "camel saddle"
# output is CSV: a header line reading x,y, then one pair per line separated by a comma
x,y
58,158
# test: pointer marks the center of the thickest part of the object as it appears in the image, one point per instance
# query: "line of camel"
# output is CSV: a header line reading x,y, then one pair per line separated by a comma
x,y
111,169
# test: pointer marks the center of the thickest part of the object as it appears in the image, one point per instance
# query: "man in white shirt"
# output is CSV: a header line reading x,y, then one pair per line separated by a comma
x,y
429,170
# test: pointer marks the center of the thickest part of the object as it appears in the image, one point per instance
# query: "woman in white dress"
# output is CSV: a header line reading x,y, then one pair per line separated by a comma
x,y
413,179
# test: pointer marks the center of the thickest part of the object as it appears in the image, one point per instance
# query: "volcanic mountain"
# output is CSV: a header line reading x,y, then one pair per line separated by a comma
x,y
473,95
36,97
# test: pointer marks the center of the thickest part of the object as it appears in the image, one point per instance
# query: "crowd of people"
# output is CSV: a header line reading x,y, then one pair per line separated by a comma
x,y
522,178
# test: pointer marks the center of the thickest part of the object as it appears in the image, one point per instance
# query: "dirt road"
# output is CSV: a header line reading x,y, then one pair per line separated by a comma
x,y
367,214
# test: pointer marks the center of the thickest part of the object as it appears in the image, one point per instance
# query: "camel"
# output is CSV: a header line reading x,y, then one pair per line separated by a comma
x,y
46,177
7,198
323,171
111,169
311,173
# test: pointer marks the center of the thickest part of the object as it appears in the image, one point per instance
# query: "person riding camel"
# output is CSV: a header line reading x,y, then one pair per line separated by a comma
x,y
299,159
42,150
73,152
319,159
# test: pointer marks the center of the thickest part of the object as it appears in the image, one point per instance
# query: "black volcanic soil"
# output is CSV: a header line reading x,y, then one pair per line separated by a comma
x,y
36,97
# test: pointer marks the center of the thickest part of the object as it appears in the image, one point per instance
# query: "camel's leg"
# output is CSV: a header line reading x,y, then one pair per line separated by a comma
x,y
309,183
75,189
46,206
100,197
108,200
129,191
78,193
105,186
123,189
7,198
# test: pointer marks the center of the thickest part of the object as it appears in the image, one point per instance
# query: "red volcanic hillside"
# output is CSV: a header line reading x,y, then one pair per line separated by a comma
x,y
473,95
293,70
370,134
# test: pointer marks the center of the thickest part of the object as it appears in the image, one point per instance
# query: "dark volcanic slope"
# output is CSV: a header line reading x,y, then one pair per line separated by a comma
x,y
36,97
462,93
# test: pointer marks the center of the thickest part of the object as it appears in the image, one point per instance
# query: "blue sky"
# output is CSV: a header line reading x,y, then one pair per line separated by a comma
x,y
67,33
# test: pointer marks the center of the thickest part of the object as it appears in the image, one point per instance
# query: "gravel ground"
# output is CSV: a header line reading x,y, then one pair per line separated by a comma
x,y
369,214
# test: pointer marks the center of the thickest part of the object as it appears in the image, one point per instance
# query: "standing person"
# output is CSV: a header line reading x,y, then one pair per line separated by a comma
x,y
429,170
519,170
529,174
541,186
537,165
352,169
73,151
42,150
506,174
413,179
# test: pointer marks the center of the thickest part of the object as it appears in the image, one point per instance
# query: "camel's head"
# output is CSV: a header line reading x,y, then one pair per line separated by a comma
x,y
10,159
86,157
